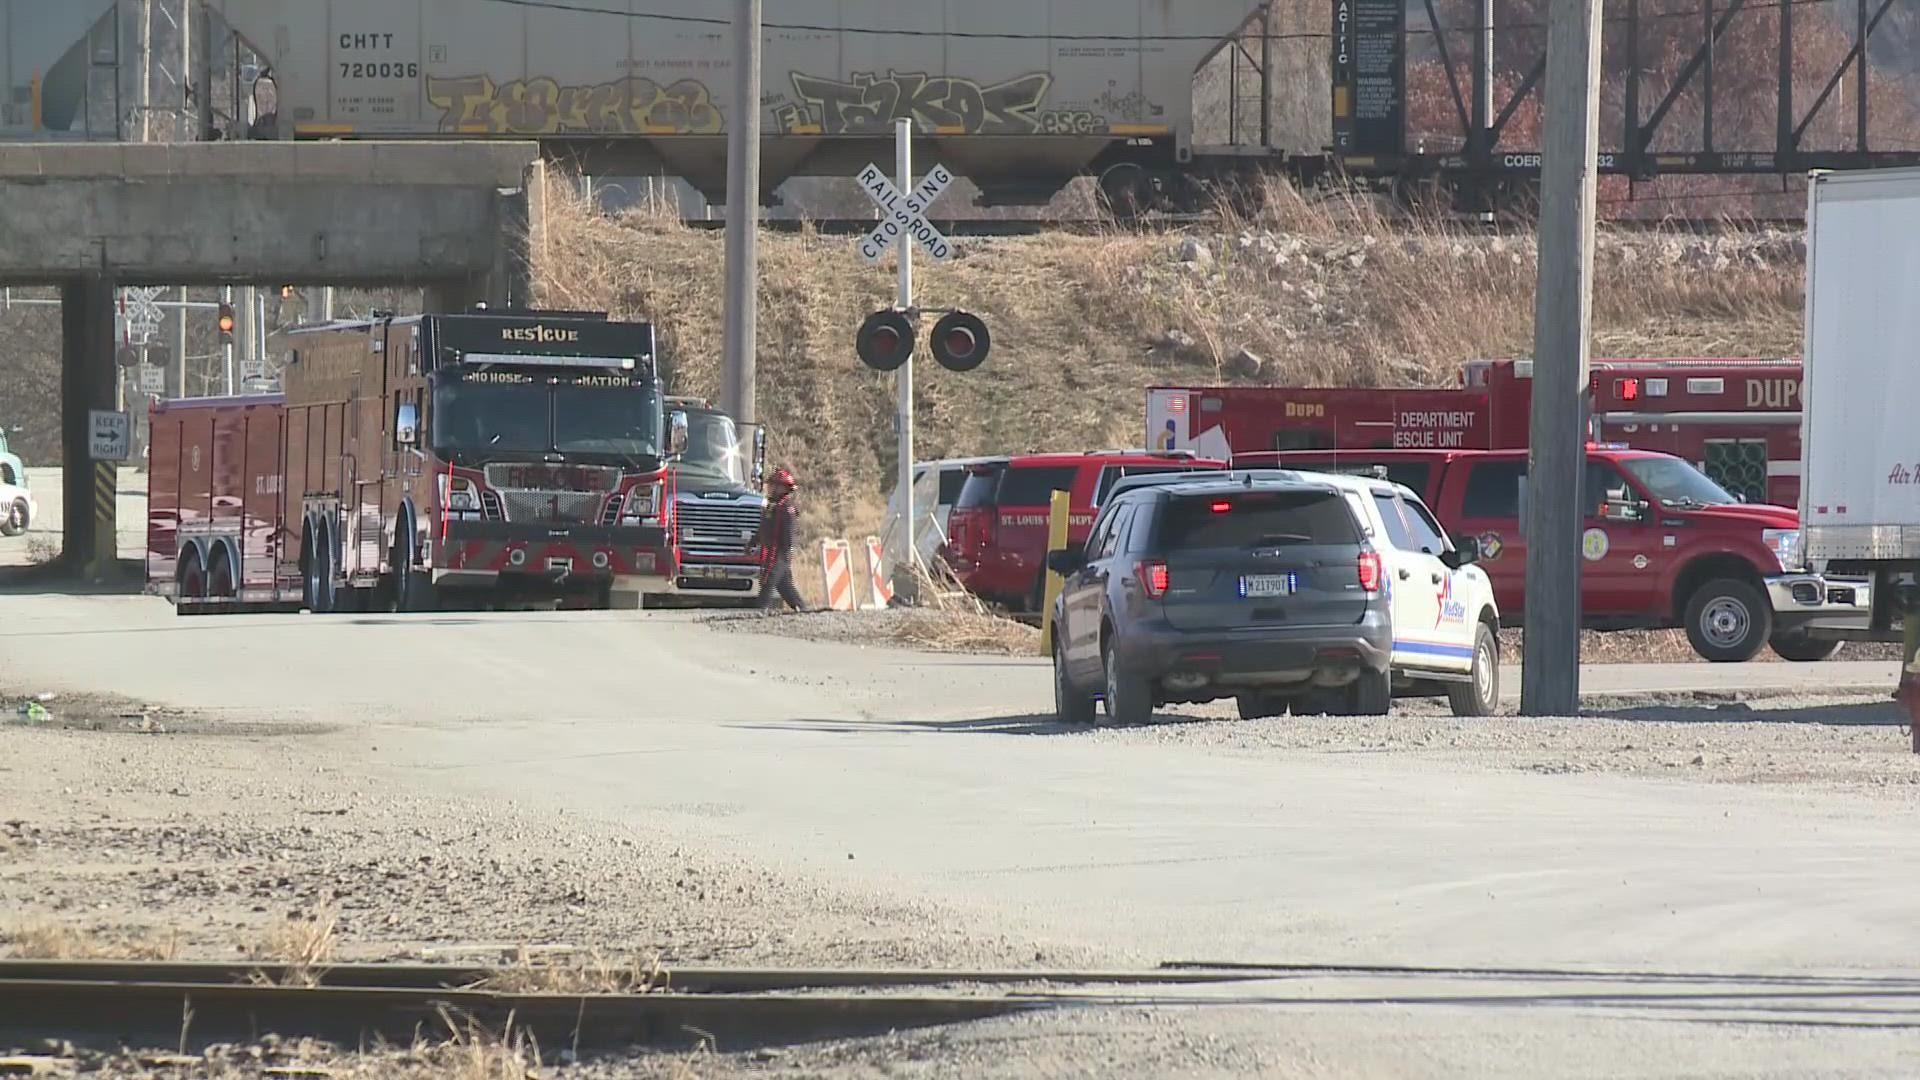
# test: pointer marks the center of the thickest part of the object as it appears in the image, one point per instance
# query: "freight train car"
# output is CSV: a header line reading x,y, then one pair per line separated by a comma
x,y
1018,96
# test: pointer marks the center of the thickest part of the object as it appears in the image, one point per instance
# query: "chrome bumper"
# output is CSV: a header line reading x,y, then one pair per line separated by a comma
x,y
716,579
1818,596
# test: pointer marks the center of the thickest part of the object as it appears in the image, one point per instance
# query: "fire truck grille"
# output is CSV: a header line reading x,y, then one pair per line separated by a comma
x,y
716,530
560,507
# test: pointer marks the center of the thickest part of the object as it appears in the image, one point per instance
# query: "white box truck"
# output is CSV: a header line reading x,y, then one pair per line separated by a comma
x,y
1860,447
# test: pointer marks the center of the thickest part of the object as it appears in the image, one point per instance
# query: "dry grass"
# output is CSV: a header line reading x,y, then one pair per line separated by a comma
x,y
304,943
961,631
1325,292
593,973
42,550
50,941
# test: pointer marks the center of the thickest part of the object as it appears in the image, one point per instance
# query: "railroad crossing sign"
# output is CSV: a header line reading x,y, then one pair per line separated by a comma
x,y
904,215
139,312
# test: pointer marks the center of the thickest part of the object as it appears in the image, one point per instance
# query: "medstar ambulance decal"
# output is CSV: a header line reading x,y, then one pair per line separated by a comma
x,y
1451,610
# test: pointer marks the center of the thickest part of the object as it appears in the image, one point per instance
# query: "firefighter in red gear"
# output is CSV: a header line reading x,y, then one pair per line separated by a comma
x,y
776,544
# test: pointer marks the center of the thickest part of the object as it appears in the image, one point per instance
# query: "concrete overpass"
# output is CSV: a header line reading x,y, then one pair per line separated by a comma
x,y
456,219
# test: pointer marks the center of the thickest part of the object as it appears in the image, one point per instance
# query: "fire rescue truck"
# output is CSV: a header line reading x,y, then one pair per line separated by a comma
x,y
713,494
405,458
1737,420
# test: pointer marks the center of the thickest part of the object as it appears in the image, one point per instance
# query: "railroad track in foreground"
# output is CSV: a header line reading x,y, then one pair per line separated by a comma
x,y
193,1005
153,1003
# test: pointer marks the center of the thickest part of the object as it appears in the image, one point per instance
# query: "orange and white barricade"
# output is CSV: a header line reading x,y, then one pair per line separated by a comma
x,y
877,573
836,565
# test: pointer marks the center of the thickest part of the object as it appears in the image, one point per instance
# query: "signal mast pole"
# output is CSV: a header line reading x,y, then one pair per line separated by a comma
x,y
743,215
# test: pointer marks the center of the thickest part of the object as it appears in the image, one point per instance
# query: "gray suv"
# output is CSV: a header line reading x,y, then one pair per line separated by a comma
x,y
1228,586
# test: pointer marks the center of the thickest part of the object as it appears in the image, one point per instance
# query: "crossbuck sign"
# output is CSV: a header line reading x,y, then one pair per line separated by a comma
x,y
904,215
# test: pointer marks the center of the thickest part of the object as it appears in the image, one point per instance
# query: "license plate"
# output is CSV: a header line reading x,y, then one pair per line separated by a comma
x,y
1265,585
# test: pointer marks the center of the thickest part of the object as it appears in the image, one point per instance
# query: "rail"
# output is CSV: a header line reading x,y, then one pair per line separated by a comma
x,y
163,1003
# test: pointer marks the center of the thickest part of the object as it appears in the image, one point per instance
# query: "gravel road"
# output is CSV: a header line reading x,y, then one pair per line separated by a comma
x,y
643,785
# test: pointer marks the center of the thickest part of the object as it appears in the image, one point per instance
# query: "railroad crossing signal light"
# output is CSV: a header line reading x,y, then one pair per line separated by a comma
x,y
961,341
885,341
226,323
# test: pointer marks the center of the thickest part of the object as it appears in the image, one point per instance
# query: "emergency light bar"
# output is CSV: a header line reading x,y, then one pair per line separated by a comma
x,y
538,360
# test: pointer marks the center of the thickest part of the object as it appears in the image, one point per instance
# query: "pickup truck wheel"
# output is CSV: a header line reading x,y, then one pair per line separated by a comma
x,y
1728,621
15,522
1804,648
1126,697
1481,696
1371,694
1071,705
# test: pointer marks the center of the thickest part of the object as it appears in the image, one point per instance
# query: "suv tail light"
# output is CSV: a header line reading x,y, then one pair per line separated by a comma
x,y
1370,572
1153,578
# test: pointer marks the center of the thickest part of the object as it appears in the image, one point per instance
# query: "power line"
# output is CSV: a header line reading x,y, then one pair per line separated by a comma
x,y
992,35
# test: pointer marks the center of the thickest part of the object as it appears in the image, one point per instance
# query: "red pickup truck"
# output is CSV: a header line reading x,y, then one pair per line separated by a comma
x,y
1664,545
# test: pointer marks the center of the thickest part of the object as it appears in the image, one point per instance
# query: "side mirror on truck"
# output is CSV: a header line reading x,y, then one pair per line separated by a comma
x,y
406,424
676,433
1630,511
1466,552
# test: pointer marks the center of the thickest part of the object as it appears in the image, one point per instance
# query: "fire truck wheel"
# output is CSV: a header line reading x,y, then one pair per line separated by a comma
x,y
220,581
1728,621
190,580
15,522
320,593
1804,648
412,589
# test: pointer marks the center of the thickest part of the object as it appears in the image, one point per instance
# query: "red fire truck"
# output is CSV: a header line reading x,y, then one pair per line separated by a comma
x,y
498,453
1737,420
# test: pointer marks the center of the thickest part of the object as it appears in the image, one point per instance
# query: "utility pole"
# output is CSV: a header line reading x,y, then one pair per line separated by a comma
x,y
1562,308
143,70
226,294
743,218
905,584
180,346
1266,75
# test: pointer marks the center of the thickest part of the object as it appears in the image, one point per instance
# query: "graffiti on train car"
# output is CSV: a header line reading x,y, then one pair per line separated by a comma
x,y
635,105
869,103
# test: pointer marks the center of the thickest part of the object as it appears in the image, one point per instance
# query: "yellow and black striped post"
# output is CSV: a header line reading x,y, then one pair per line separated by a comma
x,y
104,558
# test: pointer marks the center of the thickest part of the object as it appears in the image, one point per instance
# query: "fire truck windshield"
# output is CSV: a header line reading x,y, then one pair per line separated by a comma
x,y
476,421
713,450
1676,483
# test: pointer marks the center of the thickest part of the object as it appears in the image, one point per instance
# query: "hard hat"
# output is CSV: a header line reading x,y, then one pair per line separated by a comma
x,y
783,477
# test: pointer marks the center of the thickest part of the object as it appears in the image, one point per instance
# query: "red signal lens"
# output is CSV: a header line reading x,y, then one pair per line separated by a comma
x,y
1154,579
959,343
886,340
1370,571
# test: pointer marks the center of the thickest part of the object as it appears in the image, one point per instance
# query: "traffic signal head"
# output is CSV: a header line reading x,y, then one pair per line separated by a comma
x,y
226,323
961,341
885,341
